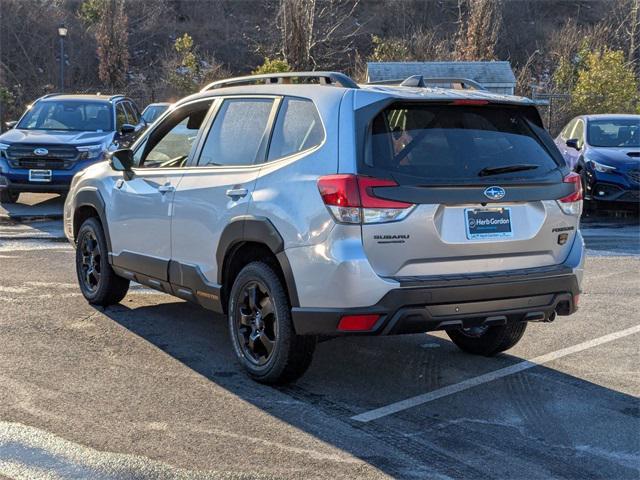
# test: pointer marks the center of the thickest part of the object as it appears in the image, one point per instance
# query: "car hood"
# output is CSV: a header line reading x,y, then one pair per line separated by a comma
x,y
616,157
54,137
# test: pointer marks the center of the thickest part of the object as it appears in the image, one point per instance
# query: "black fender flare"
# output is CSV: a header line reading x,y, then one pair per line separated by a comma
x,y
249,228
91,197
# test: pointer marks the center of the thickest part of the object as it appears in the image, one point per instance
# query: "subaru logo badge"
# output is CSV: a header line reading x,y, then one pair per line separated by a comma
x,y
41,151
494,193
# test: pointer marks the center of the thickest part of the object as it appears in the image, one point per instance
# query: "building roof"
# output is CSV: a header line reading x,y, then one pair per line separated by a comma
x,y
485,73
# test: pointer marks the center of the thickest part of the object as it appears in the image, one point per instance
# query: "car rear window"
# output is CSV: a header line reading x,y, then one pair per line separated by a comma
x,y
459,143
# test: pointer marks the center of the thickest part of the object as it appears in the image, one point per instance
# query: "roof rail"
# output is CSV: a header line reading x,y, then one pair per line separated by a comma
x,y
421,82
49,95
324,78
113,97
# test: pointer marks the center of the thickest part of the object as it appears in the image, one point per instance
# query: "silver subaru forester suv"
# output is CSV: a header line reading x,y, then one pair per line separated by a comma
x,y
306,206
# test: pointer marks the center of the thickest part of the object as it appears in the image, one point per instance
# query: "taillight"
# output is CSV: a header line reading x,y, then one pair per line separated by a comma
x,y
571,204
351,199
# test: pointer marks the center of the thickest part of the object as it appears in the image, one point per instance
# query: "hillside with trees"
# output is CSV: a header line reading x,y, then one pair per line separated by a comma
x,y
164,49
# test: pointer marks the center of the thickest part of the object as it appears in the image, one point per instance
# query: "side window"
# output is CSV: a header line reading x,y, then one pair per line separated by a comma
x,y
578,132
121,116
297,128
132,113
566,131
169,144
239,133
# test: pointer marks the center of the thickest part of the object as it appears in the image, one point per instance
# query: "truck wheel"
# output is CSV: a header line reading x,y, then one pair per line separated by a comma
x,y
488,341
8,196
261,329
98,282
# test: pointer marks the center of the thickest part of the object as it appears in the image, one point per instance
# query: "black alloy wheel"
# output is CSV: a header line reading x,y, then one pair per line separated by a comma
x,y
91,257
261,326
256,324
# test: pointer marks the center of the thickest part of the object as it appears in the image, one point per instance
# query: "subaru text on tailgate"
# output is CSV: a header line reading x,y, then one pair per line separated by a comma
x,y
303,205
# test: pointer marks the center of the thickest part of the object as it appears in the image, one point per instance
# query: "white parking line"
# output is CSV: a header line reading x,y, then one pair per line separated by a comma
x,y
489,377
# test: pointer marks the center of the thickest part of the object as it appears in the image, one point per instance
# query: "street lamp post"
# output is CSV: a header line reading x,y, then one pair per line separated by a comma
x,y
62,33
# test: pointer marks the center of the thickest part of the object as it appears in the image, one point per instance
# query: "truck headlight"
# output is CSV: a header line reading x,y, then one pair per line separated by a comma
x,y
91,152
3,149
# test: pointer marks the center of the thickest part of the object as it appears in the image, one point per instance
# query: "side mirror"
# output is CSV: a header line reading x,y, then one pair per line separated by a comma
x,y
10,124
573,143
122,161
127,128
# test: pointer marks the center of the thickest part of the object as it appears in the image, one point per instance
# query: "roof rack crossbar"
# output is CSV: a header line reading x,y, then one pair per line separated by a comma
x,y
325,78
420,81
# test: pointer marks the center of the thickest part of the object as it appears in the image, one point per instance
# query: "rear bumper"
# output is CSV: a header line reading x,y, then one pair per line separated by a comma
x,y
422,305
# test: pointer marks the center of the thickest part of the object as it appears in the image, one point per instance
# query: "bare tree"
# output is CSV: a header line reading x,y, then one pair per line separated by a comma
x,y
317,33
479,24
633,33
113,49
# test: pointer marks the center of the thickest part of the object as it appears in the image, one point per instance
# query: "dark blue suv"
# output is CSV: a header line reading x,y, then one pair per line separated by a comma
x,y
60,135
605,151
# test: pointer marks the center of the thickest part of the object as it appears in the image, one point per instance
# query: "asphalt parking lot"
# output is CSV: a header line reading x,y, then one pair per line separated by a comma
x,y
149,388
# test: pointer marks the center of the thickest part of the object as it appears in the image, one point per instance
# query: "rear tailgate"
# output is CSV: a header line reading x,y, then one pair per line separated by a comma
x,y
485,180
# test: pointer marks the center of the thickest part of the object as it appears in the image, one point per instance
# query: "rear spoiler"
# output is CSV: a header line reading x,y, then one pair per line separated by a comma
x,y
457,83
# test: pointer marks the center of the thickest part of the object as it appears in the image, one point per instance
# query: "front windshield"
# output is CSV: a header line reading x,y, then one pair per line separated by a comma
x,y
70,115
615,132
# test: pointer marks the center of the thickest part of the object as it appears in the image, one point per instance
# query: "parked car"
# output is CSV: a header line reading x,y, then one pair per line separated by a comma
x,y
605,151
153,111
58,136
303,210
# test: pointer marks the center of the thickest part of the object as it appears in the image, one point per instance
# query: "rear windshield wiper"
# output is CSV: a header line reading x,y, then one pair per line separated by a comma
x,y
519,167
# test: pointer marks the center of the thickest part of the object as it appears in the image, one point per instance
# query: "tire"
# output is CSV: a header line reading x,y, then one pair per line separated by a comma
x,y
488,341
8,196
98,282
261,328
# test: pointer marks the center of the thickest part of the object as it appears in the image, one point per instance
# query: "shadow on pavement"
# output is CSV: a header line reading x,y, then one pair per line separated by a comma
x,y
33,205
536,424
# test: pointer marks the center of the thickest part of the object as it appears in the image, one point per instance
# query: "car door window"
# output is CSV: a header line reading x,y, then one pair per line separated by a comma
x,y
121,116
132,113
239,133
170,143
297,128
566,131
578,133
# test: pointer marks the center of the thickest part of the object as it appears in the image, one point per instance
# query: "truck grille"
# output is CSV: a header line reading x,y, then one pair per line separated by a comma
x,y
634,175
58,157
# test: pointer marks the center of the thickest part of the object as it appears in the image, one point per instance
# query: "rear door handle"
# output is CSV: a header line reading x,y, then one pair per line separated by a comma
x,y
166,188
237,192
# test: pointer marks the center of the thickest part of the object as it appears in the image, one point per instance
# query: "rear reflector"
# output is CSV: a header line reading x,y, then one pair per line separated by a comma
x,y
355,323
